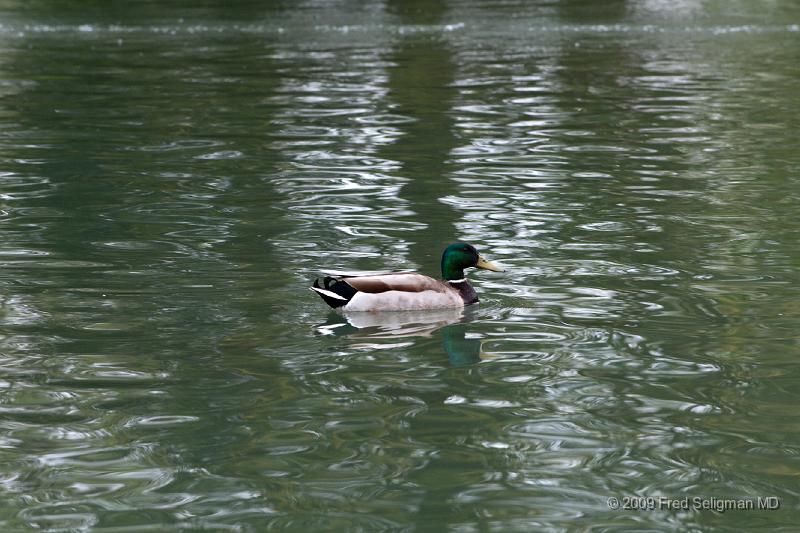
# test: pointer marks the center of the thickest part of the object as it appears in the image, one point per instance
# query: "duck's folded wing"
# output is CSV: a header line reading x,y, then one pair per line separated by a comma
x,y
404,282
339,274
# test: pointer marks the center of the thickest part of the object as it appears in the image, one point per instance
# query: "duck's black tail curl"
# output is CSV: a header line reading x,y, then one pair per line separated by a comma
x,y
335,292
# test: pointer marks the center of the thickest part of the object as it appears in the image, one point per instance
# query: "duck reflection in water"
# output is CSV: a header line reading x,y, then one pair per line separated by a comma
x,y
461,348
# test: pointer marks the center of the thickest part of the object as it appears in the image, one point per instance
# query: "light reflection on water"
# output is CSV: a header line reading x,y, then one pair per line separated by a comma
x,y
170,188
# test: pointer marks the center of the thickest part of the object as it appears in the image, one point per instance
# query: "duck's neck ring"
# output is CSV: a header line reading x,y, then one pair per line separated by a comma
x,y
462,280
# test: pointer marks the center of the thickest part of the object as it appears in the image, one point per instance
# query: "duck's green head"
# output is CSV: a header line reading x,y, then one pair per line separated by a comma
x,y
461,255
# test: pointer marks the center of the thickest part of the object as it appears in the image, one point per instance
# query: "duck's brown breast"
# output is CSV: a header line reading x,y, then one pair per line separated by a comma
x,y
466,292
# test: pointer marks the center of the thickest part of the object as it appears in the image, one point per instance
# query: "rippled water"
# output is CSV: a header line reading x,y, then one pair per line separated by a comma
x,y
173,178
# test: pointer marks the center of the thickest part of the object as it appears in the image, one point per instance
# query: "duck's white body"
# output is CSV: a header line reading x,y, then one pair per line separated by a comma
x,y
404,292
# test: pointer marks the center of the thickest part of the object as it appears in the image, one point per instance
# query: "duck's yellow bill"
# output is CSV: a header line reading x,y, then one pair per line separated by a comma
x,y
488,265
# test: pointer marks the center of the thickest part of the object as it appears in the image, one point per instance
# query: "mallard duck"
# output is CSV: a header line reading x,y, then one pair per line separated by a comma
x,y
407,291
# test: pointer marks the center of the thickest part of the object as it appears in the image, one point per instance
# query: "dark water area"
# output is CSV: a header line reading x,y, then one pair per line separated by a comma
x,y
172,177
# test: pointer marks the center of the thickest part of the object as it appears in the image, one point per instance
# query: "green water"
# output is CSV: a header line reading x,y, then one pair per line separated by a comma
x,y
173,177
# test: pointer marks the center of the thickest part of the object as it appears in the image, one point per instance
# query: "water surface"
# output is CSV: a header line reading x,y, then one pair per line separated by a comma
x,y
172,178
